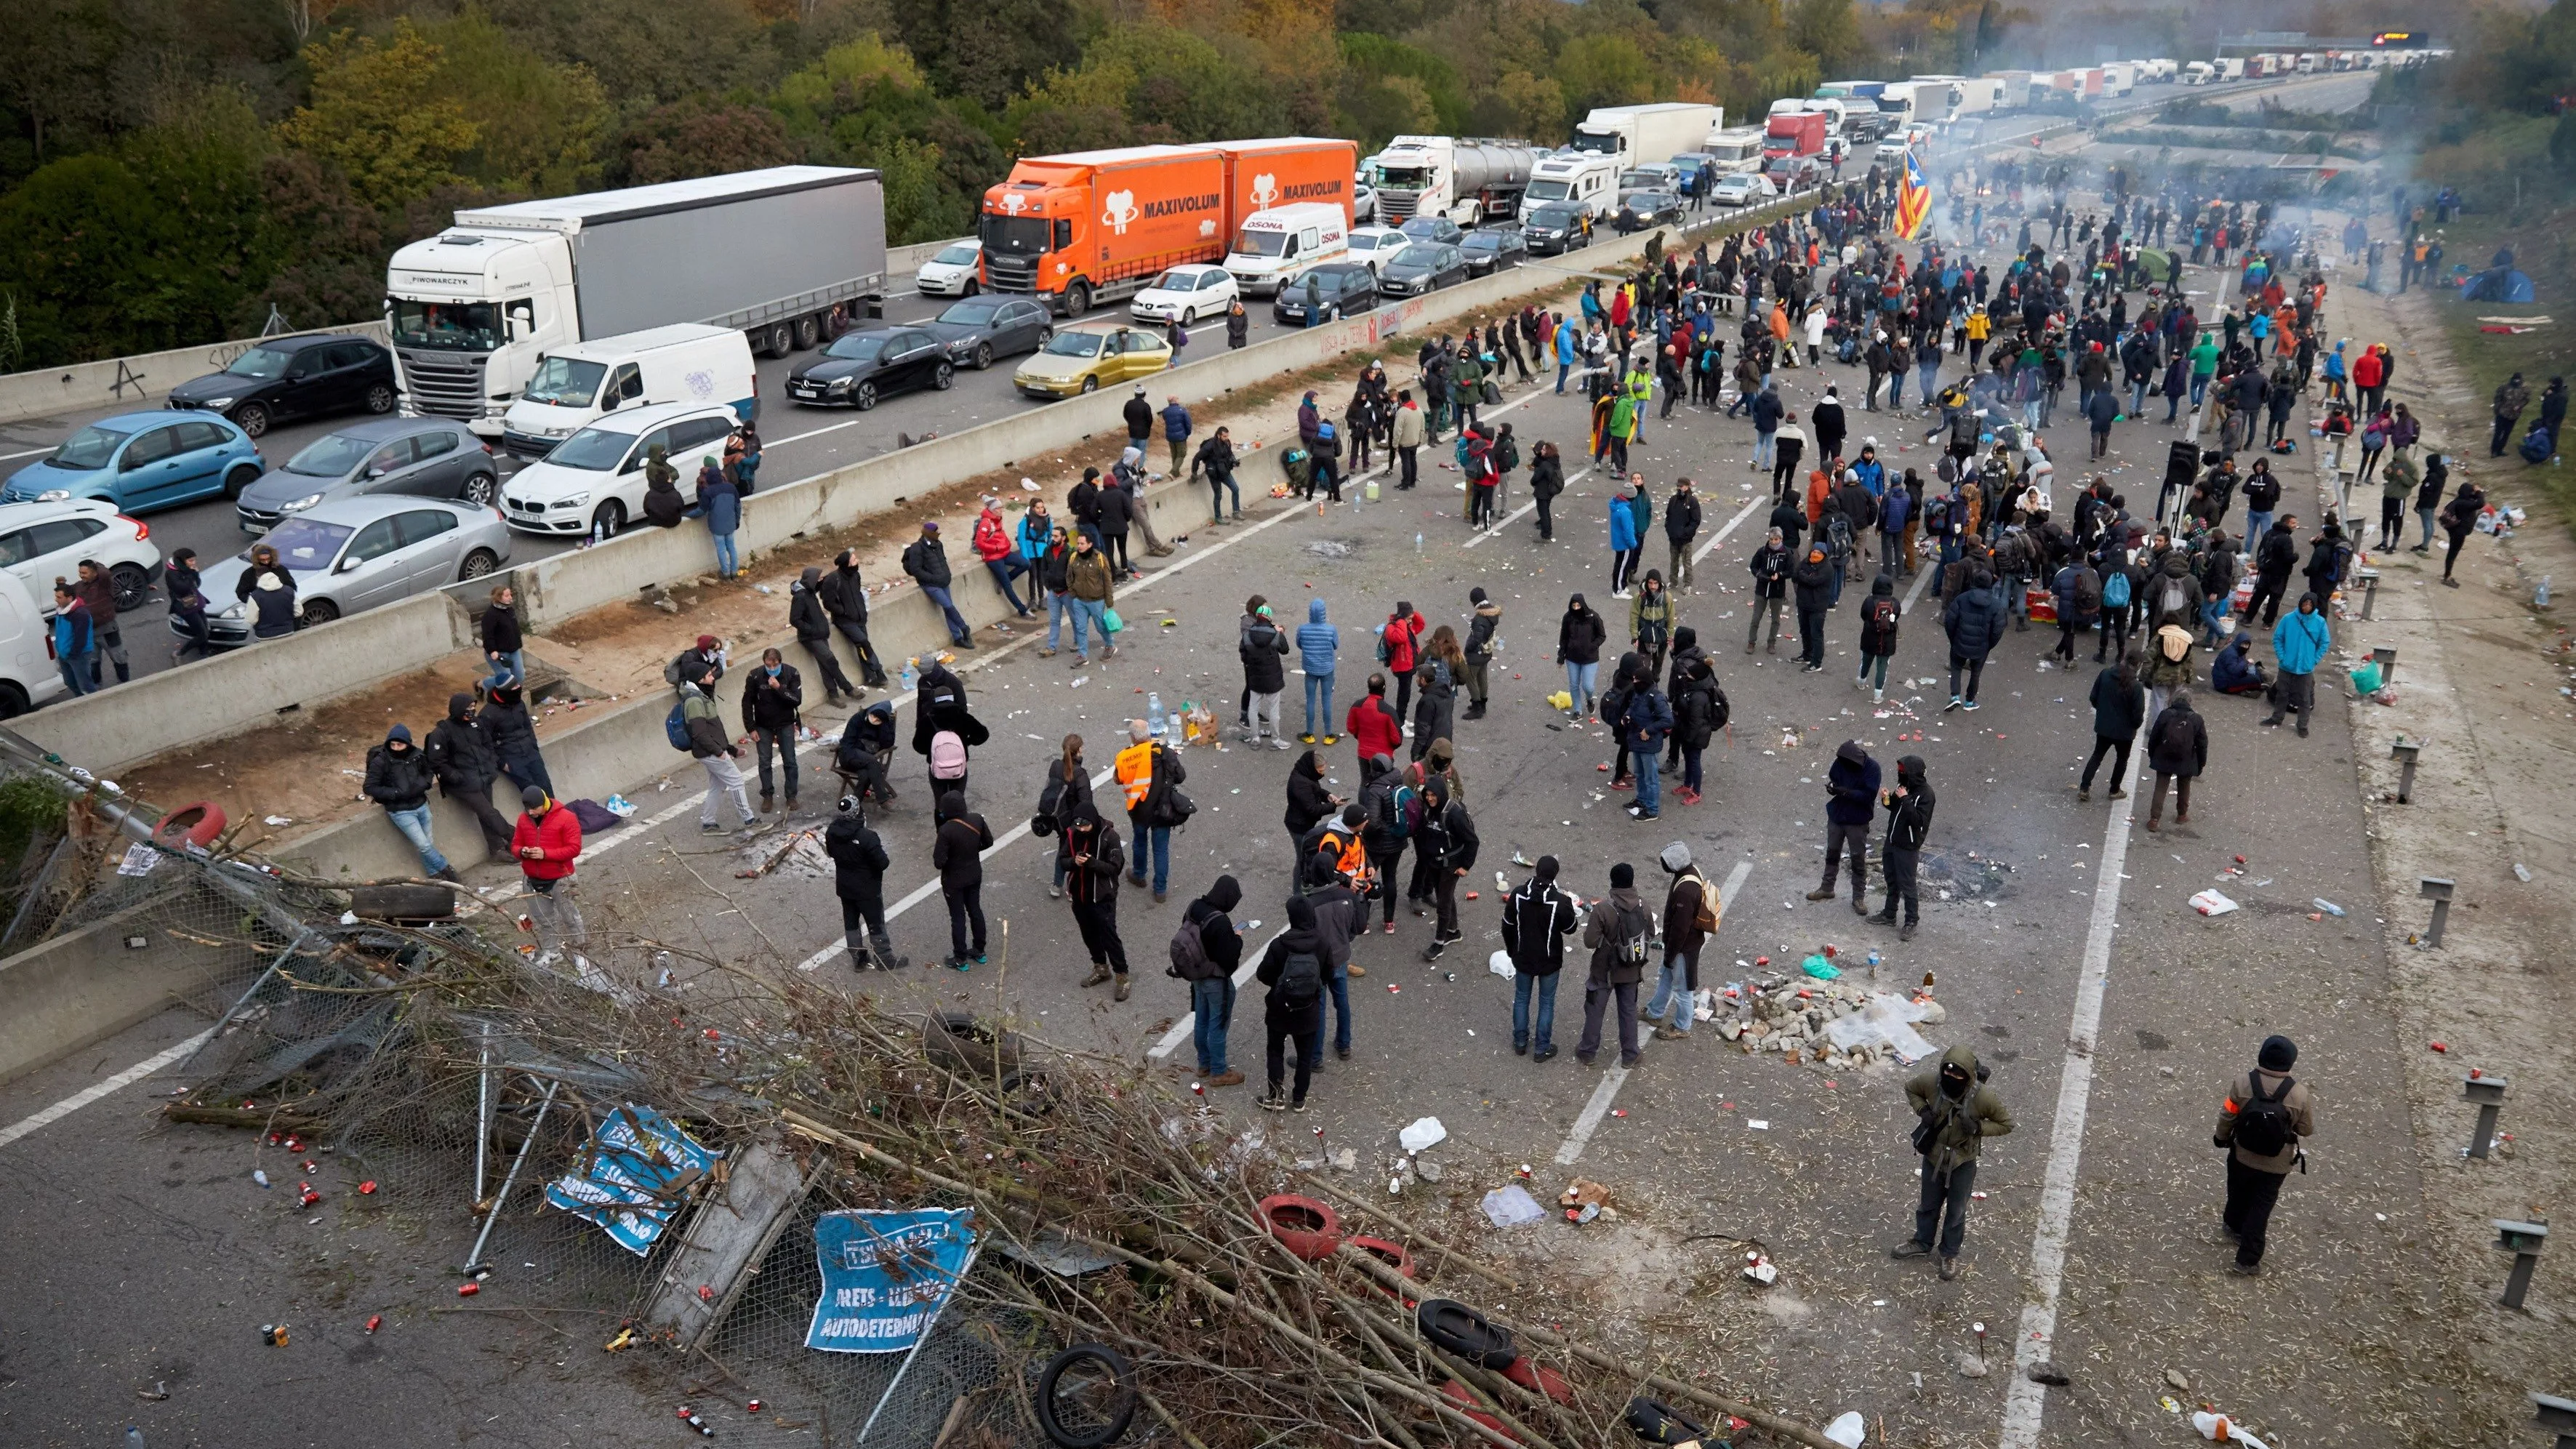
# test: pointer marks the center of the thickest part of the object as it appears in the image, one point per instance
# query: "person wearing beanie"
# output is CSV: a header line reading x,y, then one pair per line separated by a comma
x,y
398,778
2260,1121
1954,1112
858,879
546,841
695,662
1293,1012
1851,790
1691,910
1620,931
1204,955
1479,649
1537,917
1900,851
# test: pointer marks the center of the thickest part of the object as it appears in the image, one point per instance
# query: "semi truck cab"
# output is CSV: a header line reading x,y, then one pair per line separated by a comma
x,y
470,312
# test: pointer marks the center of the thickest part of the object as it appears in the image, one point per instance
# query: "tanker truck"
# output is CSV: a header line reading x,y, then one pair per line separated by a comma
x,y
1469,182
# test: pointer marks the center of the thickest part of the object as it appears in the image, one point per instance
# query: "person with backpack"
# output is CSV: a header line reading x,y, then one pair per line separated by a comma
x,y
1446,837
1650,621
1620,931
1954,1112
771,705
1150,775
2330,557
1388,807
957,852
692,663
1264,651
1625,546
1878,619
702,730
1398,648
2459,520
2275,557
1441,663
2120,584
1974,622
1900,850
1643,724
1092,887
1293,1013
2078,589
1206,949
2299,645
2177,750
1691,913
2261,1118
1341,913
1537,917
859,864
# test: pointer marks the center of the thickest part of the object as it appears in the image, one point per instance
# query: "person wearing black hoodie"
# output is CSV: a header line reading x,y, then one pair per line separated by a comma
x,y
1099,858
1620,931
2119,708
1448,852
1308,803
1537,917
1380,832
1851,792
505,722
1293,1012
1579,637
957,851
1770,564
845,599
813,625
398,778
1340,914
461,756
858,880
1900,851
1816,576
1209,971
2177,750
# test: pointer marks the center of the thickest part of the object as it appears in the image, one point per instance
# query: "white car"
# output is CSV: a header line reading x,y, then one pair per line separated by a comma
x,y
952,273
42,542
1377,245
1185,294
593,481
1363,202
1744,188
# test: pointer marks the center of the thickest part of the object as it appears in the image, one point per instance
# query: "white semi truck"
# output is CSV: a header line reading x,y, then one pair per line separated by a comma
x,y
1637,135
473,309
1469,182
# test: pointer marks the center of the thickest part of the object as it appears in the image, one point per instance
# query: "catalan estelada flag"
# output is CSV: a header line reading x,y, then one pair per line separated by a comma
x,y
1913,199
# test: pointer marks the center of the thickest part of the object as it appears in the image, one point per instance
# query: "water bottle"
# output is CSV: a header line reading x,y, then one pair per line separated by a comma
x,y
1154,714
133,1437
1417,545
911,676
1178,735
2540,598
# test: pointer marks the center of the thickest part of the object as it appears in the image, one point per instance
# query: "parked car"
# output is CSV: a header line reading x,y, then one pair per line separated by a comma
x,y
1555,227
42,542
354,554
285,378
1423,267
1080,359
1377,245
423,457
142,461
1651,176
29,675
1433,229
867,364
1363,202
593,481
980,329
1341,288
1639,210
1497,248
953,272
1789,175
1743,188
1185,294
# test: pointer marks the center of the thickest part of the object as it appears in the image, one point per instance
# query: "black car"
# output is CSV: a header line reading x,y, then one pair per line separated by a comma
x,y
870,363
1491,249
1423,267
280,379
1433,229
1341,288
1557,227
1639,210
980,329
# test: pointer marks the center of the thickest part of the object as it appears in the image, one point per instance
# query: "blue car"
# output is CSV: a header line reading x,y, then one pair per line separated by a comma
x,y
143,461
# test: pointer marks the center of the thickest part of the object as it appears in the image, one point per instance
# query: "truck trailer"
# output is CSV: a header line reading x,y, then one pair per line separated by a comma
x,y
1638,135
1469,182
769,253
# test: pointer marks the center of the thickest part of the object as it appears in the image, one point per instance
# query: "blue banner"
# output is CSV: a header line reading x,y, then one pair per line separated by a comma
x,y
634,1177
886,1275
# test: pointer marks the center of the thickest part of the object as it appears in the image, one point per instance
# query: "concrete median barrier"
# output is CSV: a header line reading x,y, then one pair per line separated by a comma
x,y
133,382
85,986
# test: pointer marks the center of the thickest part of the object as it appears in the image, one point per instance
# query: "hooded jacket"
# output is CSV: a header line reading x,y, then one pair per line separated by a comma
x,y
1770,566
2232,670
1974,620
1480,632
1580,635
858,858
2178,743
1263,648
504,722
1448,839
926,560
1300,938
458,751
1967,1111
1219,942
1878,637
2169,659
1909,816
1318,643
2118,709
805,612
398,779
1308,802
1096,882
958,848
1623,520
2300,641
1613,921
1537,917
1851,785
1814,576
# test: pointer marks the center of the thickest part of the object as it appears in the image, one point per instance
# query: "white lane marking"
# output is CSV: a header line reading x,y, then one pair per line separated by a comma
x,y
1608,1092
29,453
94,1092
1182,1028
1732,524
1527,508
2024,1401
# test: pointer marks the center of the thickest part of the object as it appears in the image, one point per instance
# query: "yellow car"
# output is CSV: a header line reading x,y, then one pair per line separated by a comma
x,y
1079,359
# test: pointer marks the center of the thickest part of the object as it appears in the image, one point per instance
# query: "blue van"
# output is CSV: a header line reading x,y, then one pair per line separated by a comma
x,y
143,461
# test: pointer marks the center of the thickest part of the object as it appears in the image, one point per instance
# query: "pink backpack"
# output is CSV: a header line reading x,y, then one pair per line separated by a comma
x,y
947,756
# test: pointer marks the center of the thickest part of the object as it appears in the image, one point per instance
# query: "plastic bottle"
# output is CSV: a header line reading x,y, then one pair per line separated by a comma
x,y
911,675
1154,713
259,1175
1417,545
2327,906
133,1437
2540,597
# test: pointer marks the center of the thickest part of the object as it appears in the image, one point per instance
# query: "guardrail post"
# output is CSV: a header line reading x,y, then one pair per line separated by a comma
x,y
2404,752
2385,656
2524,1241
2488,1093
2369,590
2437,890
2551,1412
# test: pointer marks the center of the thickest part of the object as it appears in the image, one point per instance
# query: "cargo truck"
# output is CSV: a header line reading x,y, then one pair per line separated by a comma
x,y
1469,182
1096,226
769,253
1937,97
1796,134
2012,89
1638,135
1836,112
2118,79
2231,68
2199,73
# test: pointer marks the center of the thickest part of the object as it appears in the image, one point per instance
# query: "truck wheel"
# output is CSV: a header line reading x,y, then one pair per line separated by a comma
x,y
1077,299
780,338
809,330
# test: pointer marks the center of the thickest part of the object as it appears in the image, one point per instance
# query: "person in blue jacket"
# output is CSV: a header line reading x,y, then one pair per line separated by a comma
x,y
75,637
2299,644
1319,646
1625,536
1569,348
2235,670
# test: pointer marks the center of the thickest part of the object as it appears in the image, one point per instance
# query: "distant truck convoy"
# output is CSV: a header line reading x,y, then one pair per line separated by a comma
x,y
1640,135
1096,226
768,253
1469,182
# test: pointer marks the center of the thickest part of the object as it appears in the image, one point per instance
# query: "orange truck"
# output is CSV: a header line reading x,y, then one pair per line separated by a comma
x,y
1095,226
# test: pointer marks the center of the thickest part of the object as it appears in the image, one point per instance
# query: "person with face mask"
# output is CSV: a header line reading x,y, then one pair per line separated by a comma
x,y
1205,952
858,881
1293,1012
1900,851
1954,1113
2299,644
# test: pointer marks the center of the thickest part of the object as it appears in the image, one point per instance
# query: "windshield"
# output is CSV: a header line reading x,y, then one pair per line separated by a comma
x,y
1248,243
1553,216
1424,257
1406,178
857,346
1074,344
1593,141
304,546
458,326
1019,235
91,447
566,382
1550,190
592,450
1730,152
971,314
1175,280
1641,180
260,362
1483,242
1371,241
961,255
332,457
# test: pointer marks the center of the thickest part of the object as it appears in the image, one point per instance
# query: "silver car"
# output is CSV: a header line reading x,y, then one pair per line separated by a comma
x,y
418,457
361,553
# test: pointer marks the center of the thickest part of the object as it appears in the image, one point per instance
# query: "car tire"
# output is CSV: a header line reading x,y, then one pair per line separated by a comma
x,y
477,564
317,611
253,419
983,355
479,490
809,330
132,586
1045,336
946,377
608,520
969,289
1189,316
864,396
13,700
380,398
1091,384
239,479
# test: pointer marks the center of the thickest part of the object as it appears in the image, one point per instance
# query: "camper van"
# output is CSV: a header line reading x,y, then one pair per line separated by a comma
x,y
575,383
1272,243
1586,178
1736,149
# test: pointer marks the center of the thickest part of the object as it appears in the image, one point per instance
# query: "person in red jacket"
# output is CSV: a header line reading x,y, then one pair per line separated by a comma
x,y
1372,726
1396,649
1001,557
546,841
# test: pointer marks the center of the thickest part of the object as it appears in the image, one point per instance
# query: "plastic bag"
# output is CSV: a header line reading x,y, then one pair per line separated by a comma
x,y
1510,1206
1848,1430
1425,1133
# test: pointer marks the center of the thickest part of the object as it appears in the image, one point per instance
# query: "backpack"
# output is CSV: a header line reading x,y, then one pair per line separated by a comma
x,y
1882,613
1719,711
675,727
2175,599
1189,952
2089,592
1507,455
1936,516
2263,1124
1705,919
1301,980
2115,589
1631,948
2338,562
947,755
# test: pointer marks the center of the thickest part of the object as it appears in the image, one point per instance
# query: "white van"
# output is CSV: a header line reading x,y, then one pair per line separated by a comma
x,y
577,382
593,481
28,674
1282,239
1738,149
1586,178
